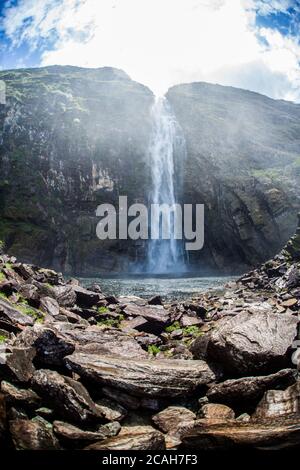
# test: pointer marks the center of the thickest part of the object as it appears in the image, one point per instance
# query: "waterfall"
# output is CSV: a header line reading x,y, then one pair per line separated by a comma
x,y
167,151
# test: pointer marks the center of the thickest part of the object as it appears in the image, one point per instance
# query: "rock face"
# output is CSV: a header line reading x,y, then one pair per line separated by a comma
x,y
172,378
73,138
252,342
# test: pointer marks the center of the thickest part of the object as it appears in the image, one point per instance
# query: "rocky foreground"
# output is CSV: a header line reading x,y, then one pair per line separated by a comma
x,y
80,370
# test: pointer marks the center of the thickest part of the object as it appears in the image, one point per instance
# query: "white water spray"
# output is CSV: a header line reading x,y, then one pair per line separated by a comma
x,y
167,153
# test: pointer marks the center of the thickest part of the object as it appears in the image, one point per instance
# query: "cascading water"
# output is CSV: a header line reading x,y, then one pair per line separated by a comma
x,y
167,153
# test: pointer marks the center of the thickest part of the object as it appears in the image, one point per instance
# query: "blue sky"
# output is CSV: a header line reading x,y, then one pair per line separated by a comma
x,y
253,44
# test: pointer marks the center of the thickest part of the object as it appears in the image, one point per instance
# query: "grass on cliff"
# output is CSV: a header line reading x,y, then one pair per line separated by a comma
x,y
3,339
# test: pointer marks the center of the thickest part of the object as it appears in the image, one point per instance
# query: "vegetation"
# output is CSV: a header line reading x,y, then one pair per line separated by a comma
x,y
153,349
175,326
3,339
103,310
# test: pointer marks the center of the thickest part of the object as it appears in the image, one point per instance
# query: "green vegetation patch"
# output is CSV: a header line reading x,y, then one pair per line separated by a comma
x,y
153,349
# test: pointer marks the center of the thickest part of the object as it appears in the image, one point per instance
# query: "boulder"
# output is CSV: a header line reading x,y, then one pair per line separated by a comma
x,y
216,412
274,434
156,300
18,396
252,343
157,316
49,306
85,297
132,438
170,418
33,435
111,410
69,432
17,364
277,403
153,378
11,318
69,397
65,295
248,390
50,346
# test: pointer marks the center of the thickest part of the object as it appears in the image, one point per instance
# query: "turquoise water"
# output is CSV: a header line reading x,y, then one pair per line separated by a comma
x,y
170,288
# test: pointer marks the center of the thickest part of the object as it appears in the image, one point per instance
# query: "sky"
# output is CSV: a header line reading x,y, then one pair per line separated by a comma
x,y
250,44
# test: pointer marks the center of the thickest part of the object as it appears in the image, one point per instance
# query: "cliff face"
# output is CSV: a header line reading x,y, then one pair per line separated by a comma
x,y
243,164
73,138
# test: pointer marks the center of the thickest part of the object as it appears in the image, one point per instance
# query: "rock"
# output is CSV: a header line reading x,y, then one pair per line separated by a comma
x,y
133,438
277,403
11,318
289,303
49,306
244,418
18,365
128,401
69,432
85,297
156,300
69,397
290,279
110,410
157,316
216,412
274,434
251,343
187,320
15,395
50,346
33,435
65,295
106,341
248,390
170,418
29,292
169,378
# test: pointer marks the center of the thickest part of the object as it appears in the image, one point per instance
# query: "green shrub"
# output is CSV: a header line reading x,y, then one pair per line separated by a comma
x,y
103,310
173,327
3,339
192,331
153,349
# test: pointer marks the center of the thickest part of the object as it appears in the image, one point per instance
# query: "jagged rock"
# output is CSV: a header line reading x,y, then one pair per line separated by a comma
x,y
17,364
29,292
11,318
213,411
65,295
106,341
85,297
69,432
156,300
133,438
247,390
253,342
277,403
16,395
69,397
290,279
49,306
169,419
33,435
111,410
50,346
170,378
157,316
274,434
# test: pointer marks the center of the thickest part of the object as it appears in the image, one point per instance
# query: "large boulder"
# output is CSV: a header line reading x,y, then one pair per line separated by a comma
x,y
154,378
248,390
156,316
253,343
133,438
17,365
36,434
69,397
85,297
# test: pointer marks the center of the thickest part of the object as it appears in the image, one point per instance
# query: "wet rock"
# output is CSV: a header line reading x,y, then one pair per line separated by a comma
x,y
69,432
133,438
245,391
253,342
278,403
274,434
33,435
69,397
170,378
169,419
15,395
49,306
213,411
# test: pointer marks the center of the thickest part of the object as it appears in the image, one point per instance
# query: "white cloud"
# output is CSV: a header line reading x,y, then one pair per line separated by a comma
x,y
163,42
